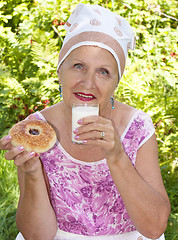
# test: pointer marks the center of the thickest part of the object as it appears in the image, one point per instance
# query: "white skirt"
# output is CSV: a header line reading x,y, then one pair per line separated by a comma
x,y
61,235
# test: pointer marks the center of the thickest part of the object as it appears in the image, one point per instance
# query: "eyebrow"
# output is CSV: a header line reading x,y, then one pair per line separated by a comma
x,y
101,65
106,66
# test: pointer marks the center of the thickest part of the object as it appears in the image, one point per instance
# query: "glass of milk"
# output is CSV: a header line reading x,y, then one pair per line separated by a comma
x,y
81,110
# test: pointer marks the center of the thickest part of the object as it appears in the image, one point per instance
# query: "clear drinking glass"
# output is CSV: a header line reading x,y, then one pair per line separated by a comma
x,y
81,110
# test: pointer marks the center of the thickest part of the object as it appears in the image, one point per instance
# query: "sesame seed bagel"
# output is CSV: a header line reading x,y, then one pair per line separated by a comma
x,y
34,135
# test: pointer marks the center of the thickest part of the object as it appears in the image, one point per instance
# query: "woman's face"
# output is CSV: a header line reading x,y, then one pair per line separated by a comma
x,y
89,74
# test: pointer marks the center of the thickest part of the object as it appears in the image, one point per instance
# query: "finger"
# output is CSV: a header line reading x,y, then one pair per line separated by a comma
x,y
4,142
14,152
95,130
24,158
88,135
97,142
90,119
92,126
30,165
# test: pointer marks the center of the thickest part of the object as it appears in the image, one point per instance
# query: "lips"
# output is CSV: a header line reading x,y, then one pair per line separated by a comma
x,y
84,96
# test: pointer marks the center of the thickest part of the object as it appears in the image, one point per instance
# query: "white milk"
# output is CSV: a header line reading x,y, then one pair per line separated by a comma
x,y
79,112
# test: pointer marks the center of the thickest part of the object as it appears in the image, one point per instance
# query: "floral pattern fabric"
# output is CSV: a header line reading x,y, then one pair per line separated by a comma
x,y
83,194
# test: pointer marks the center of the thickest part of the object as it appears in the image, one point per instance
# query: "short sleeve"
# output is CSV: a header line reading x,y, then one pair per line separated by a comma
x,y
148,129
138,131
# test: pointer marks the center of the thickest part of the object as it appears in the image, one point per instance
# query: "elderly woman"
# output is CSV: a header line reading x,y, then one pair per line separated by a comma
x,y
110,186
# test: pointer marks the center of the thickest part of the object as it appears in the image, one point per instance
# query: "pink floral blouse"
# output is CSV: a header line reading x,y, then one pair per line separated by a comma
x,y
83,194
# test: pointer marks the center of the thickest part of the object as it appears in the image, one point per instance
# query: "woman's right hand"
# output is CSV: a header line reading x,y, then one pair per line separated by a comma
x,y
28,162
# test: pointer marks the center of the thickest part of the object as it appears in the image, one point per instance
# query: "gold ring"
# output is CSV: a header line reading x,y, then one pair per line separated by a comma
x,y
102,135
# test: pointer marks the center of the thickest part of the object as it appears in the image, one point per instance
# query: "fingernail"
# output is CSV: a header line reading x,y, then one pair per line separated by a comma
x,y
20,148
36,155
31,154
75,131
7,138
84,141
76,137
79,121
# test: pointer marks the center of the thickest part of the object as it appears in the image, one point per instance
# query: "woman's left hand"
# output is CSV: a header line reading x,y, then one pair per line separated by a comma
x,y
96,130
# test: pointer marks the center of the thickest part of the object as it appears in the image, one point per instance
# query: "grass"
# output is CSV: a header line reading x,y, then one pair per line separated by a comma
x,y
9,194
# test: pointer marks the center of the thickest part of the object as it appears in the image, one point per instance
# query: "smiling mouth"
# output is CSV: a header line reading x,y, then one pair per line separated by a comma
x,y
84,96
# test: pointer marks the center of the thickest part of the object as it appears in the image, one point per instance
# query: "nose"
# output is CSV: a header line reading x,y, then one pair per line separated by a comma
x,y
89,80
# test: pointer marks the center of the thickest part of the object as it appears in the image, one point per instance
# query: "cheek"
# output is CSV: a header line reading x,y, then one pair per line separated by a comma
x,y
71,78
106,89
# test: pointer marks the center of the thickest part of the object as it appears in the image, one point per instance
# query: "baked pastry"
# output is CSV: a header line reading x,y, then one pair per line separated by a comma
x,y
34,135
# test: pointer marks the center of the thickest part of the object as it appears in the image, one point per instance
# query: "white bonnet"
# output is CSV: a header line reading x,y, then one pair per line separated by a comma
x,y
97,26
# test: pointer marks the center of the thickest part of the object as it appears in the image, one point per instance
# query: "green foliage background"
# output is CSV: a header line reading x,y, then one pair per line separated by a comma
x,y
31,35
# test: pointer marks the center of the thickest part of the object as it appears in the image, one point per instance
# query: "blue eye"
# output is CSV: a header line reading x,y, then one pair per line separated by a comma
x,y
104,72
78,66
